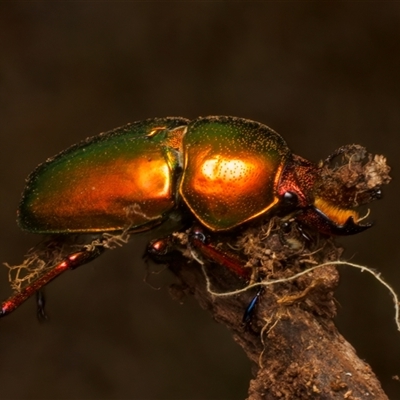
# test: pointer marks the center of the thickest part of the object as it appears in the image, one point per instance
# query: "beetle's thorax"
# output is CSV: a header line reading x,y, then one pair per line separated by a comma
x,y
298,177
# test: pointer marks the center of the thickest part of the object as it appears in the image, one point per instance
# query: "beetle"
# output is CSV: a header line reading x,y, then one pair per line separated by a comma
x,y
220,172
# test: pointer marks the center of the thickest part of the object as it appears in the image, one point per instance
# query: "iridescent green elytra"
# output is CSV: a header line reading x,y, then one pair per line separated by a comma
x,y
108,182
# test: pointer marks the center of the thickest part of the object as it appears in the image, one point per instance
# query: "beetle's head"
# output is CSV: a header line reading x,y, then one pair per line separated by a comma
x,y
325,197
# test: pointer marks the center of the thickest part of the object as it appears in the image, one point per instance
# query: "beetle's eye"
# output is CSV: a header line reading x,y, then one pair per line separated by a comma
x,y
290,199
376,194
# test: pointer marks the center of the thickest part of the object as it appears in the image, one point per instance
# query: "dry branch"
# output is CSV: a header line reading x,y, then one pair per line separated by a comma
x,y
292,341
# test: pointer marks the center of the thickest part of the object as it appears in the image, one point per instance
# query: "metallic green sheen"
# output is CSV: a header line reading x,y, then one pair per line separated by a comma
x,y
120,179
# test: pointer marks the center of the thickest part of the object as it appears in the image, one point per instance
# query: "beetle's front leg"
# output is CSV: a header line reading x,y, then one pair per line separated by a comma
x,y
71,261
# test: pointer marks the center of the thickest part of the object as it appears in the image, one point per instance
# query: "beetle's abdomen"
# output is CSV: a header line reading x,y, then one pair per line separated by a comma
x,y
232,167
117,180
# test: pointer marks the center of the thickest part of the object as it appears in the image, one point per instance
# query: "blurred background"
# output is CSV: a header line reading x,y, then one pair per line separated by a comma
x,y
321,74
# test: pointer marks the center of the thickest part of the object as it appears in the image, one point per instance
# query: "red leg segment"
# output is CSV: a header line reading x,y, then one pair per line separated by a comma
x,y
72,261
214,254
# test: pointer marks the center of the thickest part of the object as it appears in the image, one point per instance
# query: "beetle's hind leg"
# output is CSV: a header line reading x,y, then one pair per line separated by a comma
x,y
73,260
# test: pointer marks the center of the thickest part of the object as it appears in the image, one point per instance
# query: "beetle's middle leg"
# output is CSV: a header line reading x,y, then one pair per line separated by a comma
x,y
228,259
200,243
201,248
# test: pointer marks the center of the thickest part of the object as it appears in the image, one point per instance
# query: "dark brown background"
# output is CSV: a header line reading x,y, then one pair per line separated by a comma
x,y
322,75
